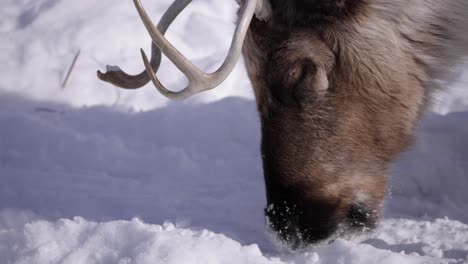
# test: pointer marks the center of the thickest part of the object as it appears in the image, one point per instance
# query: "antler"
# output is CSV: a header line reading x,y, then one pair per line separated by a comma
x,y
198,80
118,77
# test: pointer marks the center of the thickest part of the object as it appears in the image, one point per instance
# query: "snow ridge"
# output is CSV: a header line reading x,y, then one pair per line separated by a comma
x,y
92,174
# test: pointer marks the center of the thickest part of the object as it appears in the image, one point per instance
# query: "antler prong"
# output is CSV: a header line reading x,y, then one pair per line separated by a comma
x,y
198,80
118,77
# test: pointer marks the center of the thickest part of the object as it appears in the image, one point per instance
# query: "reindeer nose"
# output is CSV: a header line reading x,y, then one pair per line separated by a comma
x,y
298,228
360,217
285,225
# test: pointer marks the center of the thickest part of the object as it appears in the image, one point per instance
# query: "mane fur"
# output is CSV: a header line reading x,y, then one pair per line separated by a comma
x,y
436,31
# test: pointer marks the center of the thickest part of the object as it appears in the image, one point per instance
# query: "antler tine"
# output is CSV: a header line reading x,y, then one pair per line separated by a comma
x,y
164,45
167,93
123,80
198,80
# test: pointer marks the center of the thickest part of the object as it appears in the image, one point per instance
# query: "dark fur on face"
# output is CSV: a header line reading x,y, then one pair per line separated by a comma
x,y
313,12
339,87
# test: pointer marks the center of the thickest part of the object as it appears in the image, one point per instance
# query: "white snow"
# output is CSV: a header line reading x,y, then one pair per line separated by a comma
x,y
93,174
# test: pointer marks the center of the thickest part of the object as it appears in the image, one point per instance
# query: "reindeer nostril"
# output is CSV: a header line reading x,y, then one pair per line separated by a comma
x,y
298,227
360,217
283,220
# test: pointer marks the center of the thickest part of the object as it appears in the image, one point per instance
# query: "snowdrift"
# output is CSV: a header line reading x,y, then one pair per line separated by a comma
x,y
198,167
92,174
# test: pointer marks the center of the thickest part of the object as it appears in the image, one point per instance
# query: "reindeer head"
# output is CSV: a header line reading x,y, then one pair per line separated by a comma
x,y
336,106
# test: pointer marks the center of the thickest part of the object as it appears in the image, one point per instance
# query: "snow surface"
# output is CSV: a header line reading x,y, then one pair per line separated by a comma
x,y
93,174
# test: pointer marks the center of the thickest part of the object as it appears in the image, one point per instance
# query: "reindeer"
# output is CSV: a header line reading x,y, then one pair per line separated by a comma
x,y
339,85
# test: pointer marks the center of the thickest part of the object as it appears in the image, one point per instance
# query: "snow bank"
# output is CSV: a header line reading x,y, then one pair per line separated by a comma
x,y
455,97
93,174
103,164
79,241
431,178
176,163
40,38
123,242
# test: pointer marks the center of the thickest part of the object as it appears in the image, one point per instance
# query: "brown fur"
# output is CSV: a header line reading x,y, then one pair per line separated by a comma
x,y
339,87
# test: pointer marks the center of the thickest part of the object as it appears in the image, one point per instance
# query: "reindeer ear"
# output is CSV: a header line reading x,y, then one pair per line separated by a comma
x,y
321,82
284,78
312,84
292,83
